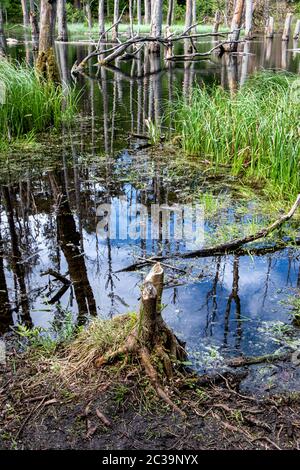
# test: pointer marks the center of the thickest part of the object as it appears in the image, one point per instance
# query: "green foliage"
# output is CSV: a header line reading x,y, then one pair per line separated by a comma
x,y
30,104
256,131
47,340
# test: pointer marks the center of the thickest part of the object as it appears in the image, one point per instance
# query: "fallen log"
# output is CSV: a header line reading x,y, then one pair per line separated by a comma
x,y
243,361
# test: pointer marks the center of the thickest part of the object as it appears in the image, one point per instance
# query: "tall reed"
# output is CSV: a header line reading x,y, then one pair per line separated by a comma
x,y
30,105
256,131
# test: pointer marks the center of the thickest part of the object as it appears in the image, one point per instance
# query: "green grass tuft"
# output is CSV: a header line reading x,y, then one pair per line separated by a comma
x,y
30,105
256,131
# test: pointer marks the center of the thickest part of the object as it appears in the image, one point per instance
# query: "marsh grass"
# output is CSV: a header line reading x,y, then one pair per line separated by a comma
x,y
256,131
30,105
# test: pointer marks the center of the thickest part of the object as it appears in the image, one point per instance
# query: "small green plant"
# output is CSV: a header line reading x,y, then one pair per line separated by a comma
x,y
294,302
120,393
154,131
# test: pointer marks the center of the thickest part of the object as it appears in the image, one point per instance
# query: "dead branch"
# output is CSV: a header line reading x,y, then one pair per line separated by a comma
x,y
235,246
243,361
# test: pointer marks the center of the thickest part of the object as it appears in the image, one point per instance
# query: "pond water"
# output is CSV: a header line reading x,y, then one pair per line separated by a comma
x,y
53,207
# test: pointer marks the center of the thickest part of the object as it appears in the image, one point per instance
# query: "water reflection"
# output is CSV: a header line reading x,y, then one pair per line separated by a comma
x,y
49,217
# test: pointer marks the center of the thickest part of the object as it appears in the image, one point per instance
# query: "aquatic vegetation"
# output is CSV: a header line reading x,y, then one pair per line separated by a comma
x,y
30,105
255,131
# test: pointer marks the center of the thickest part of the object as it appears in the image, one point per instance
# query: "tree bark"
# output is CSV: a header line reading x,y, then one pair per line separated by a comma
x,y
116,17
248,19
101,19
297,30
236,25
89,15
139,12
46,62
287,27
34,25
170,13
25,13
156,24
217,22
147,17
270,28
2,35
62,21
188,14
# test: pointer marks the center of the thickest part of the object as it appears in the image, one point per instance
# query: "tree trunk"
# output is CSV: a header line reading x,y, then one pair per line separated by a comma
x,y
62,34
2,35
170,13
131,18
139,12
194,12
34,25
270,28
116,17
89,15
188,14
46,62
248,19
297,30
156,24
147,18
287,27
217,22
236,25
101,20
25,13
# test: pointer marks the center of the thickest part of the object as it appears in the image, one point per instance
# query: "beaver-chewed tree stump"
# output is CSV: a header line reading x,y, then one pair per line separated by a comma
x,y
151,337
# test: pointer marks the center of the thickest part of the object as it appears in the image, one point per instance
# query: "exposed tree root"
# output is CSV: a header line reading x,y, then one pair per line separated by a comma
x,y
151,338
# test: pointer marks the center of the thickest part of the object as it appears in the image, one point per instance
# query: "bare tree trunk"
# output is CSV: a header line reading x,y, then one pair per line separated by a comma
x,y
46,62
25,13
297,30
101,20
147,18
2,35
287,27
188,14
236,25
170,13
62,34
89,15
248,19
156,23
139,12
34,25
217,22
270,28
131,18
116,17
194,12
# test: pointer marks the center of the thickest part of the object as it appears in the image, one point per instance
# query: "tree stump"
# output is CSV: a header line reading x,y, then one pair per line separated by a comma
x,y
151,337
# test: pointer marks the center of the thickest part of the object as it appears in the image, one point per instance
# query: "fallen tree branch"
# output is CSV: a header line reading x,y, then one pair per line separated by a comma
x,y
242,361
234,246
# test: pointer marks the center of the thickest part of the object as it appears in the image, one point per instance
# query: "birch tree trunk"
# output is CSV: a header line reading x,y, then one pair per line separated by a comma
x,y
156,23
236,25
217,22
62,31
101,19
194,12
248,19
116,17
46,62
34,25
131,18
270,28
25,13
2,35
297,30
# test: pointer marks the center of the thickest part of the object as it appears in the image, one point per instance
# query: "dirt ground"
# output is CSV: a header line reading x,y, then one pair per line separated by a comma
x,y
126,413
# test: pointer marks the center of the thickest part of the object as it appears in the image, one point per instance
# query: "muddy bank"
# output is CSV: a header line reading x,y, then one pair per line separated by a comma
x,y
118,409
